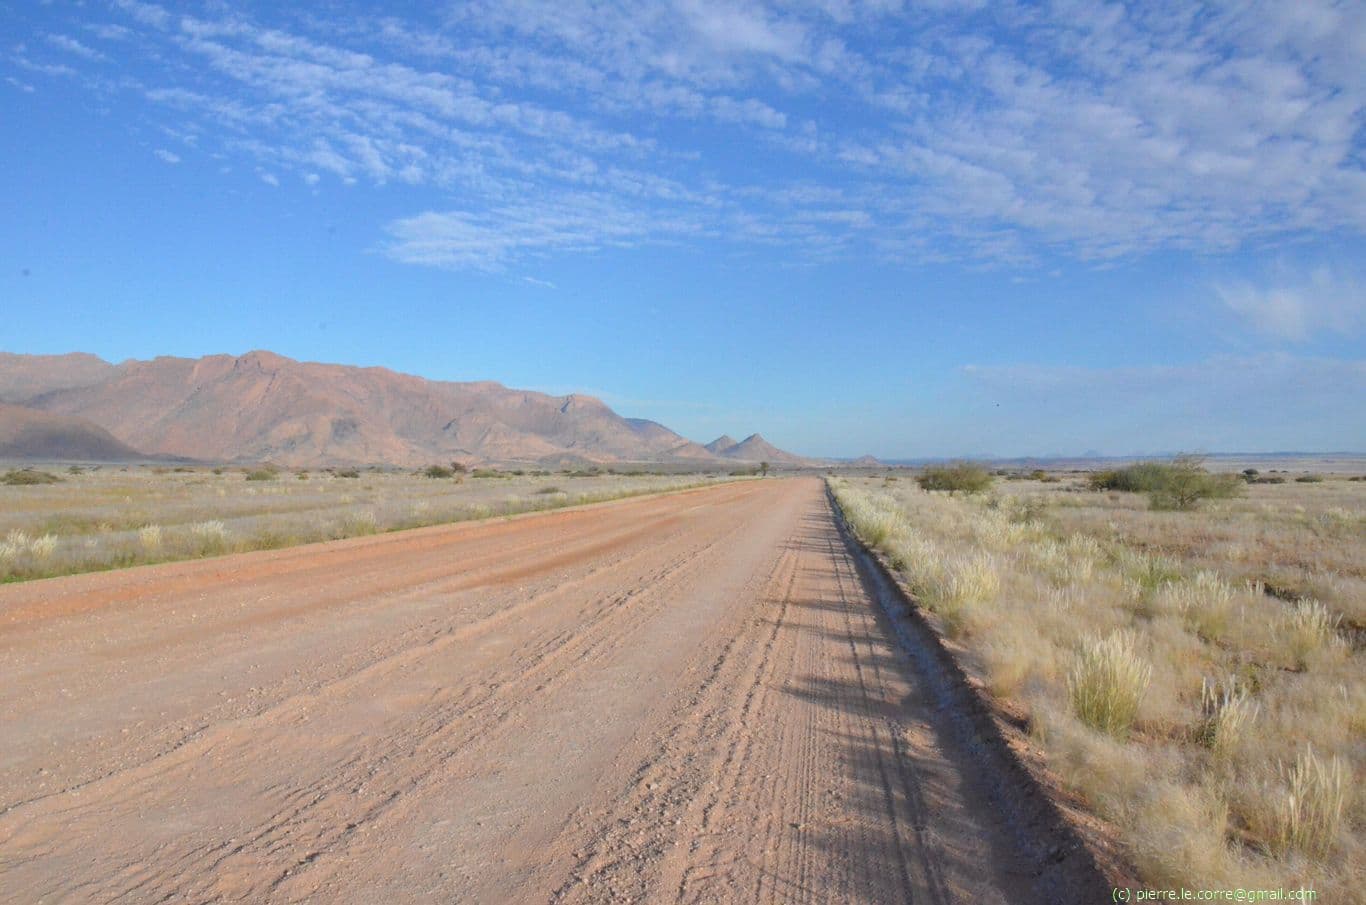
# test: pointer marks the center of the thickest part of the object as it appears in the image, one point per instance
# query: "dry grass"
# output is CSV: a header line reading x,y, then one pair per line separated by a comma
x,y
1197,677
120,516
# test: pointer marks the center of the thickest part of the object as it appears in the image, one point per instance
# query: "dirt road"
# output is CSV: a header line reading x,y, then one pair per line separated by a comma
x,y
685,698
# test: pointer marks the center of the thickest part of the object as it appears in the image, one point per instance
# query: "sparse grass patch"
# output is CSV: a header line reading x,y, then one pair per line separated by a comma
x,y
262,474
1172,664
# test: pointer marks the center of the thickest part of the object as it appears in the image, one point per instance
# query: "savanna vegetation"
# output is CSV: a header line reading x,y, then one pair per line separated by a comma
x,y
1185,647
110,517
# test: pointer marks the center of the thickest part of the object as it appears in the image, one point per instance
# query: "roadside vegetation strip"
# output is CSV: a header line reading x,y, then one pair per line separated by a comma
x,y
76,537
1219,729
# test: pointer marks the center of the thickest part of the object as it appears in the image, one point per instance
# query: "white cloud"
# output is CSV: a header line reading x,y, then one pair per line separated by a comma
x,y
72,46
489,239
167,156
1298,308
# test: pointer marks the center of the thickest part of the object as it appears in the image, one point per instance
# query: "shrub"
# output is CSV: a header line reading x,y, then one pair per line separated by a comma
x,y
348,473
486,473
1107,683
1274,479
438,471
1309,479
27,476
962,476
550,490
1179,484
261,474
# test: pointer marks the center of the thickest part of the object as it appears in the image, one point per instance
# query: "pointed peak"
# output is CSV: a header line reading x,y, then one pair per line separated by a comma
x,y
721,443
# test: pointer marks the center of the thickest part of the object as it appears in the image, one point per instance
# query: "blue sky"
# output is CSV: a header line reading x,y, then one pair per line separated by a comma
x,y
910,229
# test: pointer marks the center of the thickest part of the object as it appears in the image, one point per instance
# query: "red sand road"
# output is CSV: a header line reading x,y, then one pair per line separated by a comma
x,y
680,698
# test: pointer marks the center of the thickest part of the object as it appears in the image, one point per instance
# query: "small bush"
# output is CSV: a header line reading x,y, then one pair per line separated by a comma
x,y
438,471
1274,479
1108,683
550,490
261,474
27,476
348,473
961,476
1309,479
486,473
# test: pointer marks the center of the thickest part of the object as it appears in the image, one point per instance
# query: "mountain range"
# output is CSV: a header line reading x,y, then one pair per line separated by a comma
x,y
263,407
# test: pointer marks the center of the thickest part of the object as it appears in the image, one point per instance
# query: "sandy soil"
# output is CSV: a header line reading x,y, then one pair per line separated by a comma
x,y
684,698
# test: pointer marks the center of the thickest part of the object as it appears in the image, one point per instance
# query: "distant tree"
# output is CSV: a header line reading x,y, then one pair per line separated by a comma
x,y
1179,484
962,476
763,469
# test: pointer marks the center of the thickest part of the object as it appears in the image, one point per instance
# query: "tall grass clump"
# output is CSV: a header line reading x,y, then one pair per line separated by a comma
x,y
1107,683
1312,805
1227,716
149,537
958,587
1308,628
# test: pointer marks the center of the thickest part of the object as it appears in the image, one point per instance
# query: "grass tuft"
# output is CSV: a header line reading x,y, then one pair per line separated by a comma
x,y
1107,683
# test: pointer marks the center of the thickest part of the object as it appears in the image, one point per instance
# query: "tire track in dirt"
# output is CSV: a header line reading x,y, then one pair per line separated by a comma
x,y
678,699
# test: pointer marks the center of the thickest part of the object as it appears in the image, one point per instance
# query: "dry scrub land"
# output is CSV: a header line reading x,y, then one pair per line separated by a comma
x,y
115,516
1196,677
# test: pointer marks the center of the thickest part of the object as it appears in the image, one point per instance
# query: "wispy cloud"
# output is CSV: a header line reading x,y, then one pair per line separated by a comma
x,y
1001,132
167,156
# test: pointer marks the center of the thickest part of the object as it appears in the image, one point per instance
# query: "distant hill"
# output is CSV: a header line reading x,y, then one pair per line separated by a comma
x,y
29,434
866,462
721,444
755,448
262,406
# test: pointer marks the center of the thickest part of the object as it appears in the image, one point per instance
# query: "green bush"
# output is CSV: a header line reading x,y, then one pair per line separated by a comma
x,y
962,476
1309,479
486,473
438,471
261,474
27,476
1179,484
348,473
